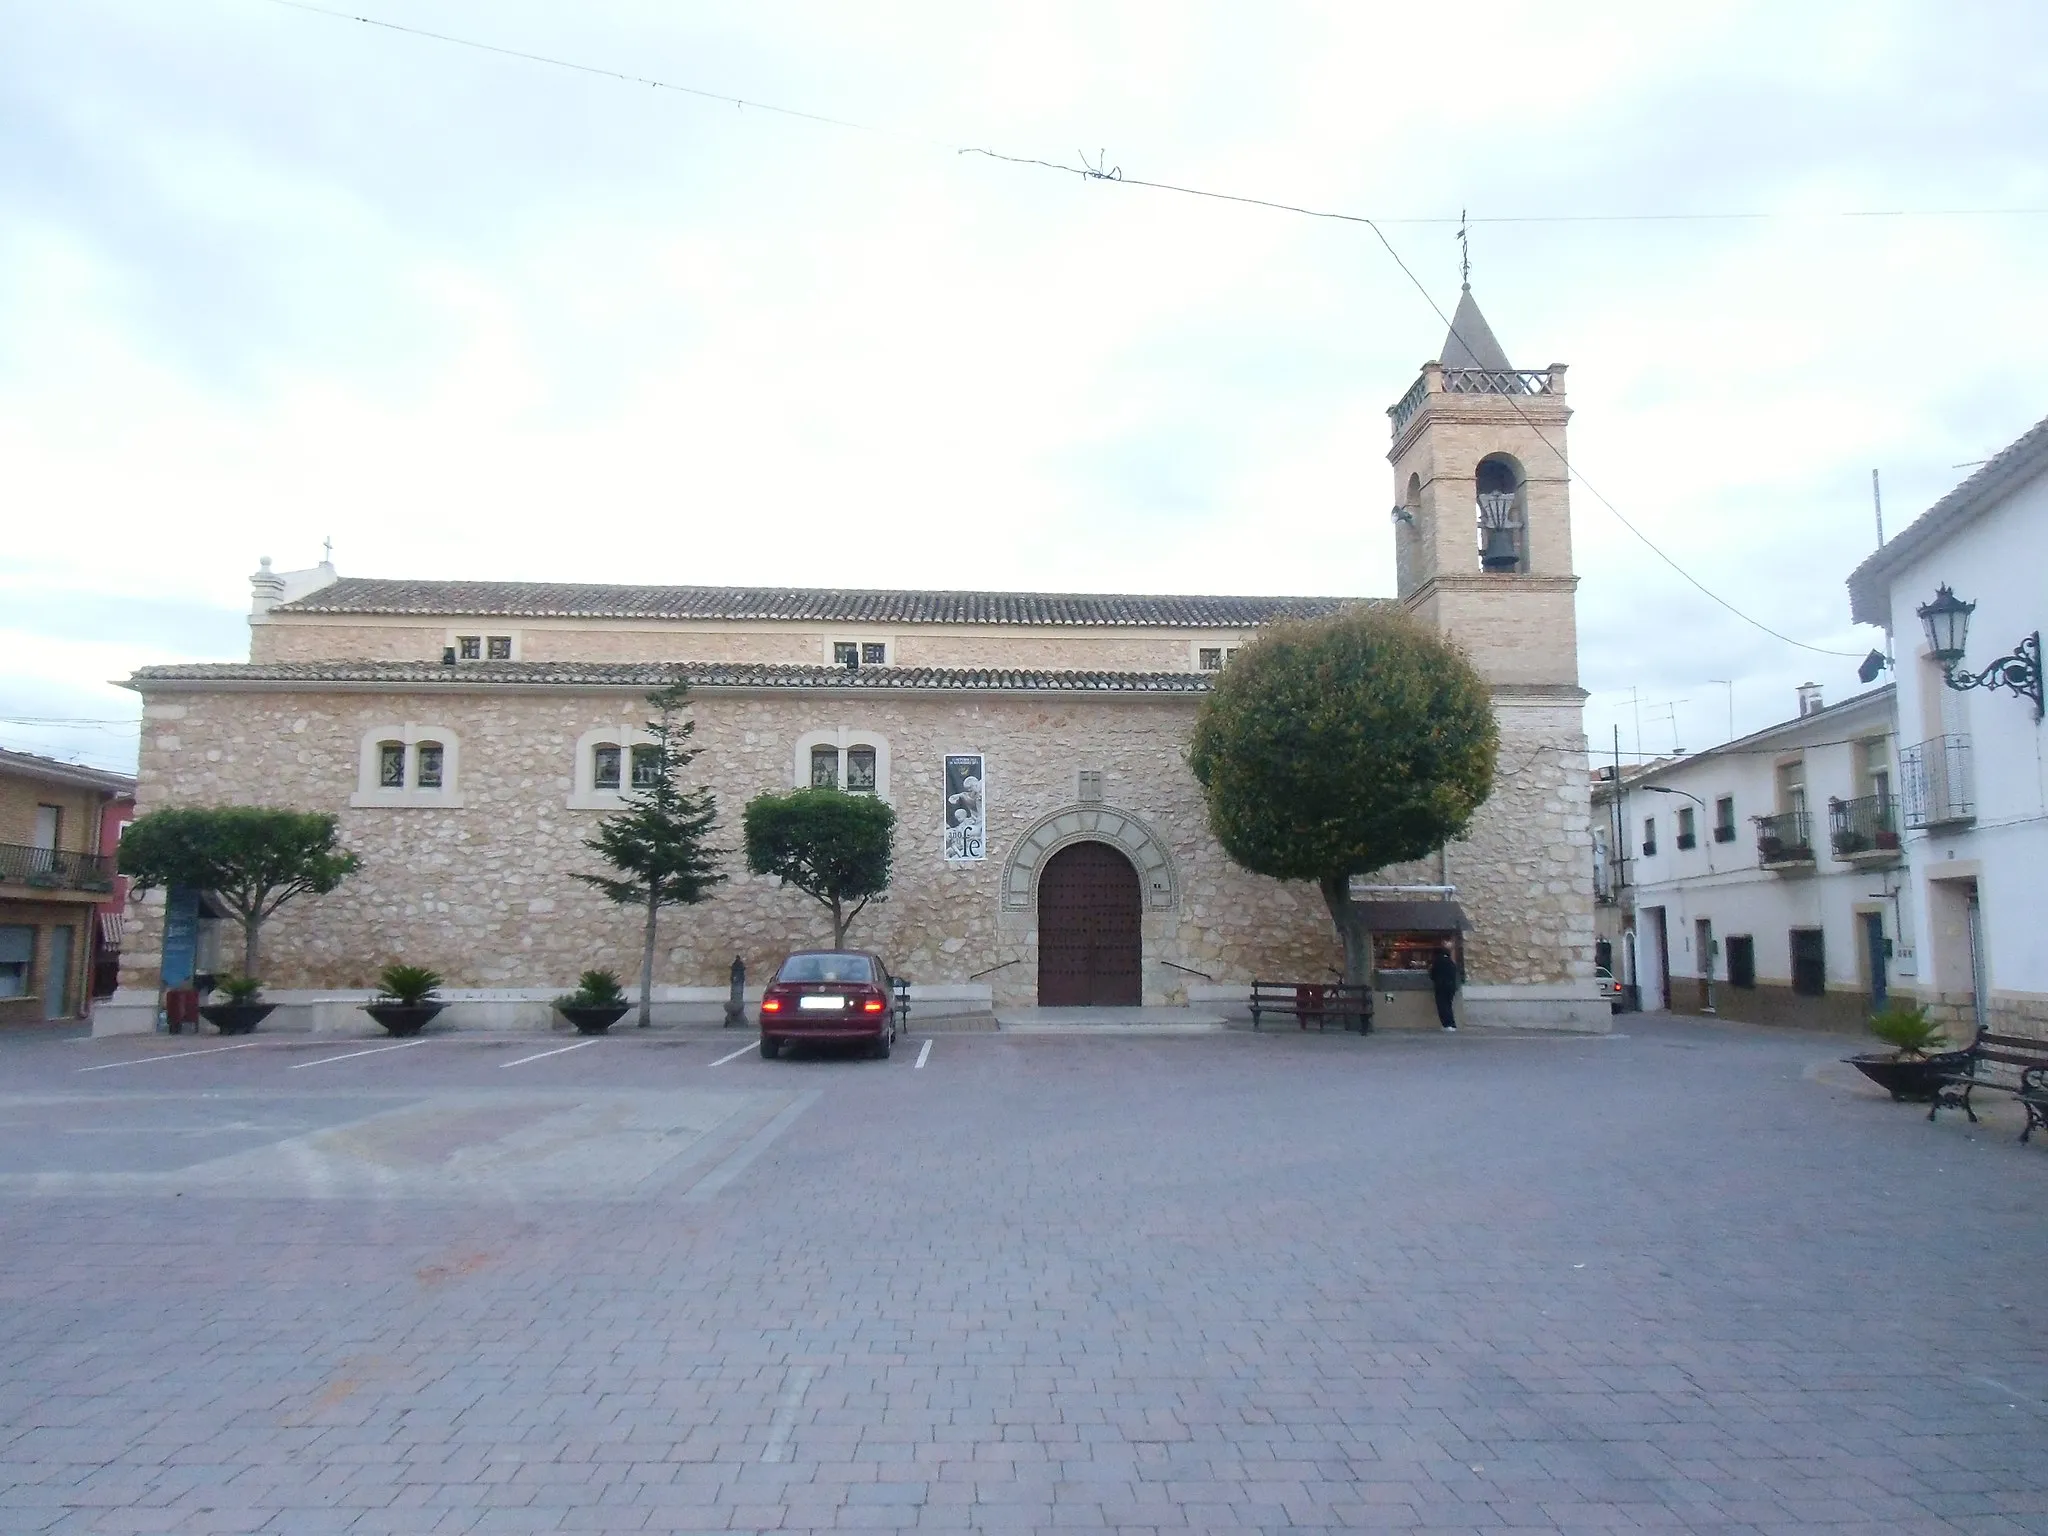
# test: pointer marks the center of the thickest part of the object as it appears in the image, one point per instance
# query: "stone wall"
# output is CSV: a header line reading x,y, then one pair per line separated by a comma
x,y
483,892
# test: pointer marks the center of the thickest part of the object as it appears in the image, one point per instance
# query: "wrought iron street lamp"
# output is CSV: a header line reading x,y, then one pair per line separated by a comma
x,y
1947,620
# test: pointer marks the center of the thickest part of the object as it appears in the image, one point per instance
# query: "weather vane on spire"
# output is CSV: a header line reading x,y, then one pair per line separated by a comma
x,y
327,551
1464,252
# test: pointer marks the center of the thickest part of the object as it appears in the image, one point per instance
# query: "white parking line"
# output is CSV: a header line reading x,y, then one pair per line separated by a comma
x,y
736,1054
558,1050
211,1050
923,1055
300,1066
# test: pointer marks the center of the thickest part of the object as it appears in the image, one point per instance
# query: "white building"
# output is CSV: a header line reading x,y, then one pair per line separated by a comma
x,y
1974,775
1765,874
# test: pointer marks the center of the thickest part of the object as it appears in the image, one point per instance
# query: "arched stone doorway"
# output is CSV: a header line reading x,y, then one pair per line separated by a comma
x,y
1090,945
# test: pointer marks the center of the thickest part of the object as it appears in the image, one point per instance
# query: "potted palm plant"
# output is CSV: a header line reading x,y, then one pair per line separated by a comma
x,y
596,1005
405,998
243,1009
1916,1063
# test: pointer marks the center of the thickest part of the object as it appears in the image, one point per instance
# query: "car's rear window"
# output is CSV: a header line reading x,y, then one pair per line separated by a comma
x,y
827,968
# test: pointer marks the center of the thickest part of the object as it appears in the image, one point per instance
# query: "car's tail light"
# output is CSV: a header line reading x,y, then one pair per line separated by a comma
x,y
873,1005
771,1005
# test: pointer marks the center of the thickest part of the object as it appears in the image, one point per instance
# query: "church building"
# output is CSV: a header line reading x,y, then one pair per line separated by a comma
x,y
1051,845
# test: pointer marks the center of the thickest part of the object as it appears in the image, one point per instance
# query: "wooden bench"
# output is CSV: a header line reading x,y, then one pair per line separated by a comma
x,y
2011,1064
1314,1002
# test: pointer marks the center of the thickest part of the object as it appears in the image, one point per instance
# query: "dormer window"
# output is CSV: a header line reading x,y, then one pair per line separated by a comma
x,y
854,654
481,647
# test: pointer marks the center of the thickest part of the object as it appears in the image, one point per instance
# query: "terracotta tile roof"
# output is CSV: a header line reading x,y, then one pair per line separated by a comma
x,y
546,599
647,675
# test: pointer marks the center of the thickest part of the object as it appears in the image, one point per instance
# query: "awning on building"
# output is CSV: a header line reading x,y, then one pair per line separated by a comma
x,y
1415,917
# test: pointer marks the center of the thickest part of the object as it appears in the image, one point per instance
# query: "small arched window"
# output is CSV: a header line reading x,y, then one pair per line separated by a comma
x,y
604,765
860,770
409,765
646,766
824,767
1502,526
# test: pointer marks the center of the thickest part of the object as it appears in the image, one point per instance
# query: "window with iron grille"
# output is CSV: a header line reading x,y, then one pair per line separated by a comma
x,y
391,765
845,653
429,764
469,647
499,648
605,763
873,653
824,767
646,767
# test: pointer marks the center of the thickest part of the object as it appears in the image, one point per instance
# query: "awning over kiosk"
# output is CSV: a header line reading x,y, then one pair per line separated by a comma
x,y
1414,917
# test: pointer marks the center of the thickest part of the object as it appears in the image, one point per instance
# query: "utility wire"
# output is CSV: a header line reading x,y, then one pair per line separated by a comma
x,y
1102,171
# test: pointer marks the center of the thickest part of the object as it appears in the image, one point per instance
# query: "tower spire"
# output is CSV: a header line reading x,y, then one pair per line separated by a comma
x,y
1464,254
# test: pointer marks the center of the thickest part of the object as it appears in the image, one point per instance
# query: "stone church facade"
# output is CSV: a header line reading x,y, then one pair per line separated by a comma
x,y
1051,845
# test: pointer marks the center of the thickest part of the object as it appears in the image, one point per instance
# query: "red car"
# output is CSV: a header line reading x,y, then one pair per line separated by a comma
x,y
830,995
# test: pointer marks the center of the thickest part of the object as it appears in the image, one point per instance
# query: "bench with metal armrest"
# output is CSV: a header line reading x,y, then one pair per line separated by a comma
x,y
2013,1064
1314,1002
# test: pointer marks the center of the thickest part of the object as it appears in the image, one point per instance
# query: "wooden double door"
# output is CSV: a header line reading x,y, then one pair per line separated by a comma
x,y
1090,948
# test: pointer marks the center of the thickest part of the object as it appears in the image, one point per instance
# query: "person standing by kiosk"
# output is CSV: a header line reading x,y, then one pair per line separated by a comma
x,y
1443,980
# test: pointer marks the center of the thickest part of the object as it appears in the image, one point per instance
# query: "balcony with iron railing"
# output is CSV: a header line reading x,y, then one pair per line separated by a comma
x,y
1865,831
1940,788
53,869
1785,841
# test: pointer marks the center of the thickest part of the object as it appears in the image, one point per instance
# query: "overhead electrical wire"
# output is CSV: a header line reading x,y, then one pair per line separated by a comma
x,y
1103,172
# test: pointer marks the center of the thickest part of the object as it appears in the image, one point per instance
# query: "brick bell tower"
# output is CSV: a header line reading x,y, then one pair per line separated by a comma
x,y
1483,554
1483,537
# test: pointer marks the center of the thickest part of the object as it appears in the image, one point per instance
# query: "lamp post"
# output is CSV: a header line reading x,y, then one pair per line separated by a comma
x,y
1947,621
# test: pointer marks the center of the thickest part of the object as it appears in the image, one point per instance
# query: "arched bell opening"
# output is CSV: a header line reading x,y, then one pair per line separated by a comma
x,y
1503,515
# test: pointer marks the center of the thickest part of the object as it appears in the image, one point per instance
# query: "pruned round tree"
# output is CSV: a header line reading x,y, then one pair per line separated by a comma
x,y
833,845
252,858
1334,747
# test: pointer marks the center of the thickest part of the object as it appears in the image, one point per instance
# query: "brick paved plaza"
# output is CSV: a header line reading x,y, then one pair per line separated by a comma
x,y
1687,1278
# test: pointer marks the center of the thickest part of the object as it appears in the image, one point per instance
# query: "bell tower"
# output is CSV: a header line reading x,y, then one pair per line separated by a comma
x,y
1483,551
1482,520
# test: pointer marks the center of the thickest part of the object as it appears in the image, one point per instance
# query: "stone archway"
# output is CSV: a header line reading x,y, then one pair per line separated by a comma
x,y
1158,879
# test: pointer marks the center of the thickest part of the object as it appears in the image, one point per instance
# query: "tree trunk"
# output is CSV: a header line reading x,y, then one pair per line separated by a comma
x,y
252,930
647,960
839,921
1349,917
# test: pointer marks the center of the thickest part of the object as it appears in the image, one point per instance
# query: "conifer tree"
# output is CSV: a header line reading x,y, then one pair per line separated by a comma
x,y
659,843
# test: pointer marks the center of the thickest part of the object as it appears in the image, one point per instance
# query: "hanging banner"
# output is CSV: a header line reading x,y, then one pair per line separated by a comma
x,y
966,808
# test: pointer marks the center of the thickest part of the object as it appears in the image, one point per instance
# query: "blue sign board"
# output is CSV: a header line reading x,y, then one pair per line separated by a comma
x,y
181,935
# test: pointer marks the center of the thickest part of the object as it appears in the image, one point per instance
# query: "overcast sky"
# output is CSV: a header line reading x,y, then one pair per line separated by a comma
x,y
268,277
